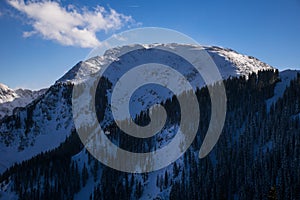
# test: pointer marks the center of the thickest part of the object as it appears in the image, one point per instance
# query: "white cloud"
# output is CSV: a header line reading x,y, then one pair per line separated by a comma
x,y
27,34
68,25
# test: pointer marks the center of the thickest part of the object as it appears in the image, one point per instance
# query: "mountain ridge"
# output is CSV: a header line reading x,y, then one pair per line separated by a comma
x,y
51,115
11,99
47,121
240,64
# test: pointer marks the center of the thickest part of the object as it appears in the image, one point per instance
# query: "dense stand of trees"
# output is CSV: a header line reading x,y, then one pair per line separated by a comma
x,y
49,175
256,157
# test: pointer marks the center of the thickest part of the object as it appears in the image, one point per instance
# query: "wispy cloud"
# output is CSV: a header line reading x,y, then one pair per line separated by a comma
x,y
68,25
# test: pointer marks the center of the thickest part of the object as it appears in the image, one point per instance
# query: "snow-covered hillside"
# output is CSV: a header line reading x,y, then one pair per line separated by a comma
x,y
285,78
44,123
11,99
229,62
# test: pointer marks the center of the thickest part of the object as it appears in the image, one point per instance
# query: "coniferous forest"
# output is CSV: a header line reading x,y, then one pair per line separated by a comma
x,y
256,157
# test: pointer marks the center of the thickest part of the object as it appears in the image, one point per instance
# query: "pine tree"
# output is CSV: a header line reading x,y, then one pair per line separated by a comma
x,y
95,170
85,175
175,170
166,179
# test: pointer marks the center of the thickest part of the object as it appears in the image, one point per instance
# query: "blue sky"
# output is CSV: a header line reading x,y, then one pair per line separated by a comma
x,y
34,55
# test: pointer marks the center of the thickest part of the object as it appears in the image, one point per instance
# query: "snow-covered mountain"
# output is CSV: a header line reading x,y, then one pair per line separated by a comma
x,y
11,99
229,62
47,121
49,118
6,94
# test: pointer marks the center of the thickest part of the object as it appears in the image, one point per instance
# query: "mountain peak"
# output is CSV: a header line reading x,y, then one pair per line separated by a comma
x,y
229,62
11,99
3,87
6,94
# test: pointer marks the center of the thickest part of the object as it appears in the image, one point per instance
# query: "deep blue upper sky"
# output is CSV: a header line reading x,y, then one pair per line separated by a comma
x,y
268,30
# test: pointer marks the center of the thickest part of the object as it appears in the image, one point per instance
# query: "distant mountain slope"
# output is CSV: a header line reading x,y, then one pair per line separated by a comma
x,y
11,99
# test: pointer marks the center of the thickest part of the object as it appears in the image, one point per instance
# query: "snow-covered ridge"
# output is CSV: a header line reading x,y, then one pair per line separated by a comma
x,y
229,62
11,99
243,64
41,125
45,122
6,94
